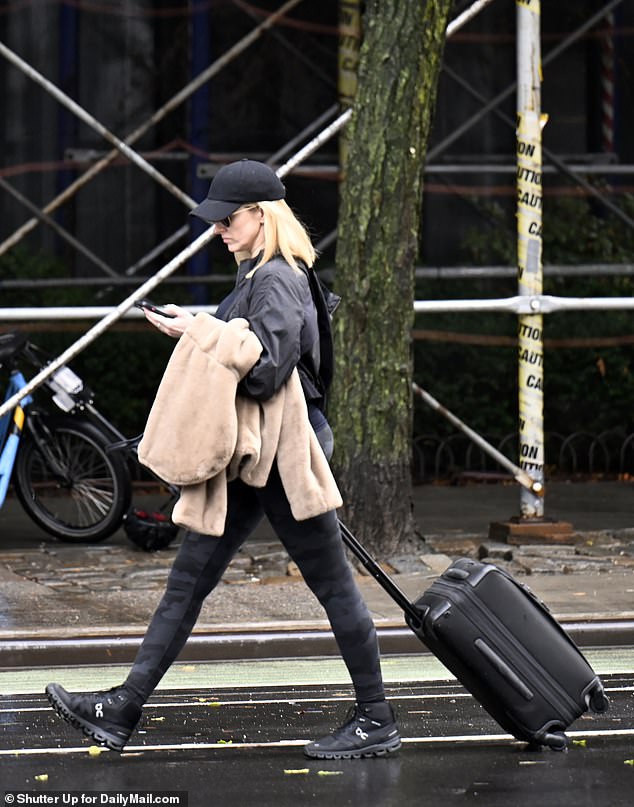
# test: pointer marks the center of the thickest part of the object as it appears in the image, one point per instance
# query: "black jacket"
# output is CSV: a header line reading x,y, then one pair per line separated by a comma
x,y
278,302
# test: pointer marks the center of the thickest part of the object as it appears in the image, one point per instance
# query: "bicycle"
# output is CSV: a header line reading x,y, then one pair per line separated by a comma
x,y
71,471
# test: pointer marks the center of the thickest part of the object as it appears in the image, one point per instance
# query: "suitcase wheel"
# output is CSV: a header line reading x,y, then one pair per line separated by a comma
x,y
598,701
556,740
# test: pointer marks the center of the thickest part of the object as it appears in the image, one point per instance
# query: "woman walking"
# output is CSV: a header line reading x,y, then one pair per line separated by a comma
x,y
272,293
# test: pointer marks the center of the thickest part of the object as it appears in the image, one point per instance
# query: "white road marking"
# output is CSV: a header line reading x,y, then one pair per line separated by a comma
x,y
462,739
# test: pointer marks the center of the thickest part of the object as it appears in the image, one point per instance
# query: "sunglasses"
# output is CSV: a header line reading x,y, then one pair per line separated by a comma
x,y
227,221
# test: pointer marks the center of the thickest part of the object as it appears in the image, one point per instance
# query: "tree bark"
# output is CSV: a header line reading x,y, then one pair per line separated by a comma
x,y
379,221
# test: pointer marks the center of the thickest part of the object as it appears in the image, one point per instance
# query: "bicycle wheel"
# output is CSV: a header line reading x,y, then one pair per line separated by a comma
x,y
85,498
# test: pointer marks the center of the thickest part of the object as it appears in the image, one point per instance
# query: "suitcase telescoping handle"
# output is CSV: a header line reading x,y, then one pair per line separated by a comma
x,y
415,614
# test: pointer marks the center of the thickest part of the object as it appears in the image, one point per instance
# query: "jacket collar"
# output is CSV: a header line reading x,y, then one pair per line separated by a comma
x,y
246,268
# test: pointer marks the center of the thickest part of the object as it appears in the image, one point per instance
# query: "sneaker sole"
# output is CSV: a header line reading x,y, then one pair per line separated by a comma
x,y
91,731
379,750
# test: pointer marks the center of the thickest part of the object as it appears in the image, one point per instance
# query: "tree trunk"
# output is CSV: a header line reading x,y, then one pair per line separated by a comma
x,y
379,222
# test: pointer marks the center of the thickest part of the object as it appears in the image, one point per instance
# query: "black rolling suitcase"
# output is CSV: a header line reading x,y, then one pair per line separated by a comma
x,y
503,645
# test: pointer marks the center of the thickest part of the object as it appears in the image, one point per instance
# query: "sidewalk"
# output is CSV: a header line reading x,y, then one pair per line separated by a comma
x,y
73,604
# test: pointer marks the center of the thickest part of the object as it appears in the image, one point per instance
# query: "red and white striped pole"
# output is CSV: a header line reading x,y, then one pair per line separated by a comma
x,y
607,85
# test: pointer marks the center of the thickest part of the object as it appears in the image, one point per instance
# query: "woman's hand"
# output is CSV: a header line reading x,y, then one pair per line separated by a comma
x,y
172,327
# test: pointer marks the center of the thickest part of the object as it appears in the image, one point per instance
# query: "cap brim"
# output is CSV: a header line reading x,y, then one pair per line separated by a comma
x,y
211,210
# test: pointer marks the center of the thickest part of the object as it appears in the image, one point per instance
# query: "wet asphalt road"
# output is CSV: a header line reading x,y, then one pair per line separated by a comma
x,y
242,746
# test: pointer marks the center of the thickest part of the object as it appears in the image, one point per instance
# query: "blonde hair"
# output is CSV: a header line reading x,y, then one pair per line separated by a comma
x,y
285,234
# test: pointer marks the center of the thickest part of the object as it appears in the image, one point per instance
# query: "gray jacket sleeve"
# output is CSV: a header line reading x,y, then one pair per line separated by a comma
x,y
276,316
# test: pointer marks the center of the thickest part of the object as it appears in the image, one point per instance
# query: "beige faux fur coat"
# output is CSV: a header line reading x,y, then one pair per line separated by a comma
x,y
201,433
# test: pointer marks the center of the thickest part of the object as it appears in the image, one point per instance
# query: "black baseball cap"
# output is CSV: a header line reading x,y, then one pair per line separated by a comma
x,y
236,184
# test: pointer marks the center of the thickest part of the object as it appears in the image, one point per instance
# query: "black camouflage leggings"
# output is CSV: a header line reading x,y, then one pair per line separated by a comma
x,y
316,547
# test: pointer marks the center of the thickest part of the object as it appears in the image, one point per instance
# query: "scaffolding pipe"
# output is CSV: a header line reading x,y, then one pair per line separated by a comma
x,y
467,14
315,144
530,276
203,239
571,171
495,102
61,232
156,250
143,291
306,132
175,101
427,272
534,486
120,280
520,304
87,312
103,325
93,123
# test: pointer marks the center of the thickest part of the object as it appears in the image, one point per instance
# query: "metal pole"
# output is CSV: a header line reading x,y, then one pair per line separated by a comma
x,y
314,144
570,171
157,249
467,14
306,132
523,304
428,272
495,102
520,304
518,473
175,101
88,119
34,209
529,252
108,320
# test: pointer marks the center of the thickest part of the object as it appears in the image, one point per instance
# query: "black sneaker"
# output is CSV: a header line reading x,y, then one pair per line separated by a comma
x,y
369,731
108,718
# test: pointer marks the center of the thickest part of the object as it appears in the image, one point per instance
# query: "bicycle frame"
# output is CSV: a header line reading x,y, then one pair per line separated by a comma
x,y
71,469
11,426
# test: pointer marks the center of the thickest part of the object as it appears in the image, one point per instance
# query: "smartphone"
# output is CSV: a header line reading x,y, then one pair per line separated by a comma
x,y
155,308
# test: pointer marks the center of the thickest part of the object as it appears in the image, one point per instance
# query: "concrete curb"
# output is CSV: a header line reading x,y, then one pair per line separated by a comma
x,y
236,643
